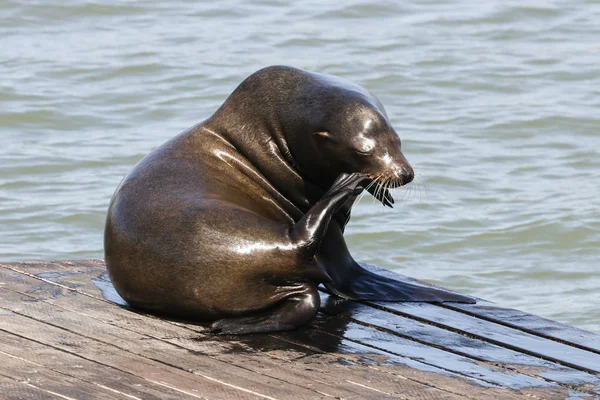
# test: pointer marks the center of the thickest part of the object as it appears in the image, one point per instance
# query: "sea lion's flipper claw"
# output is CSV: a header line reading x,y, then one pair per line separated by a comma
x,y
363,284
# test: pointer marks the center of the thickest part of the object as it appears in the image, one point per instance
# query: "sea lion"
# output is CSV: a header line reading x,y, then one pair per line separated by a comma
x,y
239,218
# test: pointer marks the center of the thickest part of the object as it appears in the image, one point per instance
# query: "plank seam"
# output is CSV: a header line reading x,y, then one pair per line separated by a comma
x,y
237,387
404,336
371,388
180,390
37,387
53,283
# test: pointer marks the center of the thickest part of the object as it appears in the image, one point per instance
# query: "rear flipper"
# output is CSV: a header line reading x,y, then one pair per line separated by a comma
x,y
362,284
295,310
352,281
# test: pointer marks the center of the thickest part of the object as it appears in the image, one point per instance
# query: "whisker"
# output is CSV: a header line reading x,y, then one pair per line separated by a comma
x,y
348,218
408,195
381,191
378,191
379,187
365,190
372,184
387,189
404,195
384,192
422,185
374,194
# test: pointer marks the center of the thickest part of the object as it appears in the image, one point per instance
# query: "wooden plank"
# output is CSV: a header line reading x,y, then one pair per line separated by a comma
x,y
461,344
113,380
572,349
20,370
412,350
196,385
498,334
355,328
78,274
56,296
516,319
148,348
484,391
70,324
395,365
532,324
216,348
439,358
200,348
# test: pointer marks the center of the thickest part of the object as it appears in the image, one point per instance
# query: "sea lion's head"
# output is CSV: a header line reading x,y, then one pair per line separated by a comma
x,y
345,129
322,126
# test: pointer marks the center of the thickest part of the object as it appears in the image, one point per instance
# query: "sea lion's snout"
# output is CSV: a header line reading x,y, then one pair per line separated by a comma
x,y
405,174
394,170
397,175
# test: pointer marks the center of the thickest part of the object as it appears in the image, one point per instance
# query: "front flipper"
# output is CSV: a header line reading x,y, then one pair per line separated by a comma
x,y
362,284
308,233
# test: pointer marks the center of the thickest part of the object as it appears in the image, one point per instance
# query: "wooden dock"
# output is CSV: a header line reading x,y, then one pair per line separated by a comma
x,y
66,334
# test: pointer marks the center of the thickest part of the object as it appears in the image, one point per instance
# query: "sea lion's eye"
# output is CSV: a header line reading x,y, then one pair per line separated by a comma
x,y
365,146
323,134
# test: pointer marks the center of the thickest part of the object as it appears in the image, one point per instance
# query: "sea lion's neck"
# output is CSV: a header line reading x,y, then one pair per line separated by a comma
x,y
265,147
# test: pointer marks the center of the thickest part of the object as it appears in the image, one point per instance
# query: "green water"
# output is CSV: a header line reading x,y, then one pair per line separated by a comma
x,y
497,104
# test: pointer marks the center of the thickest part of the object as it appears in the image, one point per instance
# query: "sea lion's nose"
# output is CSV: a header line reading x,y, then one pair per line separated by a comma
x,y
402,169
404,173
407,174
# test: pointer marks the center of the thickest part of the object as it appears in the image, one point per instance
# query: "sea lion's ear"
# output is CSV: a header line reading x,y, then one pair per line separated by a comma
x,y
323,134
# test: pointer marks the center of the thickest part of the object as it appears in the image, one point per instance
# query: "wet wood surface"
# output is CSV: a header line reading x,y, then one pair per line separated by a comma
x,y
66,334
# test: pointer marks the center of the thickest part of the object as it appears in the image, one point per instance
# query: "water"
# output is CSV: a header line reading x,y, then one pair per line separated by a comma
x,y
497,103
